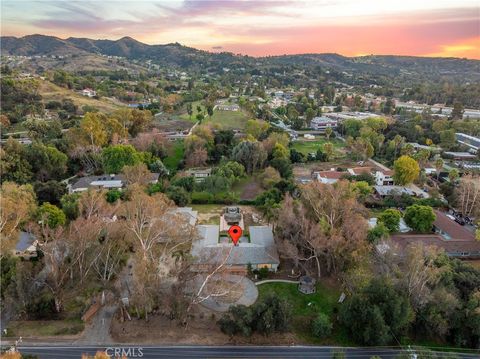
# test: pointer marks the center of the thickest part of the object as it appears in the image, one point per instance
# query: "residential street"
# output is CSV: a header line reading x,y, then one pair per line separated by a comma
x,y
64,352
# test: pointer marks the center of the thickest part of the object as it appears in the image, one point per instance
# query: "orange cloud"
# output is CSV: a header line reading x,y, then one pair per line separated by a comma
x,y
469,48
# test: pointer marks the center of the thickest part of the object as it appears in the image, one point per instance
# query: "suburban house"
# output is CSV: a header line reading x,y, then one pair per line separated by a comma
x,y
385,191
26,246
328,177
451,230
355,171
384,178
464,156
88,92
453,248
469,141
456,240
228,107
321,123
103,182
199,174
258,250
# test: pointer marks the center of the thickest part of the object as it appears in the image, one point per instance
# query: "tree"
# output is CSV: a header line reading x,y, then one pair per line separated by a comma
x,y
17,203
419,218
50,191
178,195
269,177
51,215
453,175
93,125
318,230
250,154
197,158
328,132
377,233
328,149
467,195
256,128
377,314
438,166
362,189
70,207
448,139
14,164
391,219
457,112
231,170
322,326
138,173
116,157
406,170
47,161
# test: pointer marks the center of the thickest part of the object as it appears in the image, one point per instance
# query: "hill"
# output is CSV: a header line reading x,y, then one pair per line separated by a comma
x,y
186,57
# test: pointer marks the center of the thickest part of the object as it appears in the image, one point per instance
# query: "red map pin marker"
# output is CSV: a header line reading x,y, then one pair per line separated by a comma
x,y
235,233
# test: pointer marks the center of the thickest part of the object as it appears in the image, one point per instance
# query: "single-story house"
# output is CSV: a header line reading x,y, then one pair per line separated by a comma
x,y
321,123
453,248
329,177
103,182
199,174
26,246
460,155
258,250
385,191
451,230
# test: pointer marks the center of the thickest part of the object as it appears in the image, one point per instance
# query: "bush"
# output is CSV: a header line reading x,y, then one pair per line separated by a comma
x,y
261,273
226,198
391,219
202,198
322,326
113,195
154,188
178,195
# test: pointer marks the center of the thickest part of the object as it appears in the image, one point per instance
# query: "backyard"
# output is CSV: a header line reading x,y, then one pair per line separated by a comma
x,y
305,308
175,156
307,146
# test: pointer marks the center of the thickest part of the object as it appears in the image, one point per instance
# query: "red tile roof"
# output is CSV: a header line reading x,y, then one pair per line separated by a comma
x,y
332,174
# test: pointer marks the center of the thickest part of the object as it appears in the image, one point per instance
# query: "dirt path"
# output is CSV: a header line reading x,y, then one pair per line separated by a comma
x,y
98,330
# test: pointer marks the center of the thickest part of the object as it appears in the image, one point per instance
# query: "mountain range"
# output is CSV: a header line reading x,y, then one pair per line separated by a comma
x,y
175,54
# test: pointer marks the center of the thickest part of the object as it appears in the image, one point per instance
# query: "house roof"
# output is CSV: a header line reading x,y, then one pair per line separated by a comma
x,y
25,240
331,174
105,180
390,190
211,249
451,247
454,230
359,170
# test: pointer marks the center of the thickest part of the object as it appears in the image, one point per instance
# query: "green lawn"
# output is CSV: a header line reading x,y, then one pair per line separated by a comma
x,y
306,147
305,308
35,328
229,119
175,156
193,118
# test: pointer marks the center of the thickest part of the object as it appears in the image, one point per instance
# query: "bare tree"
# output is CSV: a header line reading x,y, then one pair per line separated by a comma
x,y
468,195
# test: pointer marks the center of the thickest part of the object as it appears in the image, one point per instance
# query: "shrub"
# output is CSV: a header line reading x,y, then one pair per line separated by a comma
x,y
113,195
202,198
322,326
178,195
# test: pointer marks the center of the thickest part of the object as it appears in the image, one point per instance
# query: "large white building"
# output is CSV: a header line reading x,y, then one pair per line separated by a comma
x,y
321,123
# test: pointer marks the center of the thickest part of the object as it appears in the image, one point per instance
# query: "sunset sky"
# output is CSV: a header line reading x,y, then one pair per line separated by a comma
x,y
347,27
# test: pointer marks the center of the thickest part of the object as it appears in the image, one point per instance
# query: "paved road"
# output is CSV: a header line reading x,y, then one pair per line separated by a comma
x,y
148,352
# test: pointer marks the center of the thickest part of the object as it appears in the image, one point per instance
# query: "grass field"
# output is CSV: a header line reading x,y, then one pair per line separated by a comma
x,y
305,308
305,146
175,156
193,118
52,92
232,120
27,329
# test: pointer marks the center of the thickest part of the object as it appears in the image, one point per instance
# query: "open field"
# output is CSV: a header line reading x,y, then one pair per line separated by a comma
x,y
52,92
306,146
185,116
175,155
28,329
247,188
231,120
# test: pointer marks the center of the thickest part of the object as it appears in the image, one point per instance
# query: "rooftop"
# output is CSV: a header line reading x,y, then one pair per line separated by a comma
x,y
451,229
